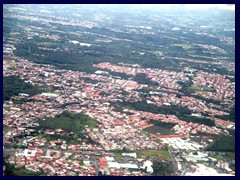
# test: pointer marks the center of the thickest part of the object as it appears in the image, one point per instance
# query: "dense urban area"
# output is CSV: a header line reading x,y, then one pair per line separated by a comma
x,y
86,93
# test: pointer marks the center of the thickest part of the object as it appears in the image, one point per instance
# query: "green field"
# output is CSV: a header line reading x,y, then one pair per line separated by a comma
x,y
201,88
153,154
158,129
69,121
217,157
53,92
7,129
162,154
118,154
184,46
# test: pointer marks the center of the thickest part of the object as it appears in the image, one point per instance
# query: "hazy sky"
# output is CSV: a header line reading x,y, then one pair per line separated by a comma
x,y
189,6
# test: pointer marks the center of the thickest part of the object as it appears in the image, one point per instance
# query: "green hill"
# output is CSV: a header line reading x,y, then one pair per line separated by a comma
x,y
69,121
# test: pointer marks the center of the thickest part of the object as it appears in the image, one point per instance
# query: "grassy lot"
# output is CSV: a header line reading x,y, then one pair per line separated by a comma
x,y
158,129
52,92
69,121
118,155
201,161
184,46
201,88
219,158
153,154
7,129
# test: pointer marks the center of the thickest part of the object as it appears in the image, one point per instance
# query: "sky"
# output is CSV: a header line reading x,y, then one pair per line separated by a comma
x,y
207,6
189,6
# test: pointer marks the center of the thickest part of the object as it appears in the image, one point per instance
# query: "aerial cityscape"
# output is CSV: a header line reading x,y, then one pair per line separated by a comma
x,y
118,90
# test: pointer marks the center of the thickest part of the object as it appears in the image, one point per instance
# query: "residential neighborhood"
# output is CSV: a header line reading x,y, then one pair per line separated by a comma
x,y
117,130
119,90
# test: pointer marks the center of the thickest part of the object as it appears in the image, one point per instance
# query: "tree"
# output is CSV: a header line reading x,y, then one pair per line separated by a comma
x,y
162,168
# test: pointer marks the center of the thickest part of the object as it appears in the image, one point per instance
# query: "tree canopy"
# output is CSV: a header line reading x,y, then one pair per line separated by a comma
x,y
13,85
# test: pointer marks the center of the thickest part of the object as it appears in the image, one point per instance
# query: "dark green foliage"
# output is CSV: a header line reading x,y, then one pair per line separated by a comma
x,y
69,121
127,49
230,117
118,74
182,113
162,168
72,139
162,124
13,85
142,79
144,106
160,127
223,143
206,99
188,92
232,166
200,120
21,101
231,132
186,85
12,171
120,109
88,80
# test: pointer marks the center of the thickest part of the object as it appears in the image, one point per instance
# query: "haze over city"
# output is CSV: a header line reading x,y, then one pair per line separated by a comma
x,y
119,90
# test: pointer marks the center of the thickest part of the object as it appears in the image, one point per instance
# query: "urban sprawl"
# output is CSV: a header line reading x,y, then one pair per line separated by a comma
x,y
118,131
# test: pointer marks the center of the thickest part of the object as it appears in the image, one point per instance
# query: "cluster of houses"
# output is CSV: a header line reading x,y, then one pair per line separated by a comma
x,y
73,91
224,89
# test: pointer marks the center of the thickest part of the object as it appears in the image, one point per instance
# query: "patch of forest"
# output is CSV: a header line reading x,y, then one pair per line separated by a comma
x,y
230,117
162,168
160,127
12,171
13,85
183,113
223,143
